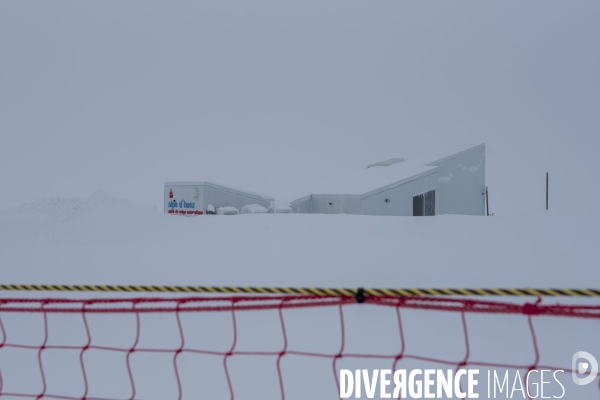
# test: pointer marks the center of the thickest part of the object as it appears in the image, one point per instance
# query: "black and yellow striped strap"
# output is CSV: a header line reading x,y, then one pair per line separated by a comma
x,y
409,292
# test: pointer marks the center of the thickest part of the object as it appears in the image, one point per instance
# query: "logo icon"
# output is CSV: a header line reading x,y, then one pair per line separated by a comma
x,y
170,193
580,367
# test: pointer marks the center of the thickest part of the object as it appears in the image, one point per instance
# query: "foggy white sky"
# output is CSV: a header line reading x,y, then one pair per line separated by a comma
x,y
271,96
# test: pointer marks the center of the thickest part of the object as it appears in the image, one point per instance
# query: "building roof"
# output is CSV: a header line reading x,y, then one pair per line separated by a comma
x,y
389,173
219,186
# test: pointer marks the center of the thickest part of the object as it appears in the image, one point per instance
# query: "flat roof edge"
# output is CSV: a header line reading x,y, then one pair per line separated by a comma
x,y
432,170
185,183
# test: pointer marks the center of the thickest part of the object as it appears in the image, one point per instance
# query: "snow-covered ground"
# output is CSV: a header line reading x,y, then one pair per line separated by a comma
x,y
103,240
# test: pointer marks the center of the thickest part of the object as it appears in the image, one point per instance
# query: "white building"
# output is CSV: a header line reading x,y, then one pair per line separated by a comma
x,y
193,198
448,182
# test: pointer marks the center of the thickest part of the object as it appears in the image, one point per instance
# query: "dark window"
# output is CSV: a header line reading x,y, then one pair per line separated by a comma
x,y
418,205
424,204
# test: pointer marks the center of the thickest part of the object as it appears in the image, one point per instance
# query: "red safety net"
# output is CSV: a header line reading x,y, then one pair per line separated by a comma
x,y
80,311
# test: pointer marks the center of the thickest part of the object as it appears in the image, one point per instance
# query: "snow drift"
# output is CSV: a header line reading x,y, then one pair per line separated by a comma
x,y
100,239
103,240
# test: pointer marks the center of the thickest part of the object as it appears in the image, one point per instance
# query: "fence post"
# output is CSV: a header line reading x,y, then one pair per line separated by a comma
x,y
546,191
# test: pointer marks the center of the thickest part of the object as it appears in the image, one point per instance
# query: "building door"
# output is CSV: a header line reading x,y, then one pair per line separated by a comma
x,y
424,204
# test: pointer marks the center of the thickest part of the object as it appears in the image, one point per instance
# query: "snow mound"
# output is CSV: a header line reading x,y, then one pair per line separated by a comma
x,y
227,211
96,219
253,209
66,209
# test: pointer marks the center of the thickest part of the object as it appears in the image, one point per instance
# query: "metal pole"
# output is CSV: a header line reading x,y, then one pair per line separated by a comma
x,y
487,203
546,191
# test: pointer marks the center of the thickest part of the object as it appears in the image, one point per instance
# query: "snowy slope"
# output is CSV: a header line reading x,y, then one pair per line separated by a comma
x,y
103,240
